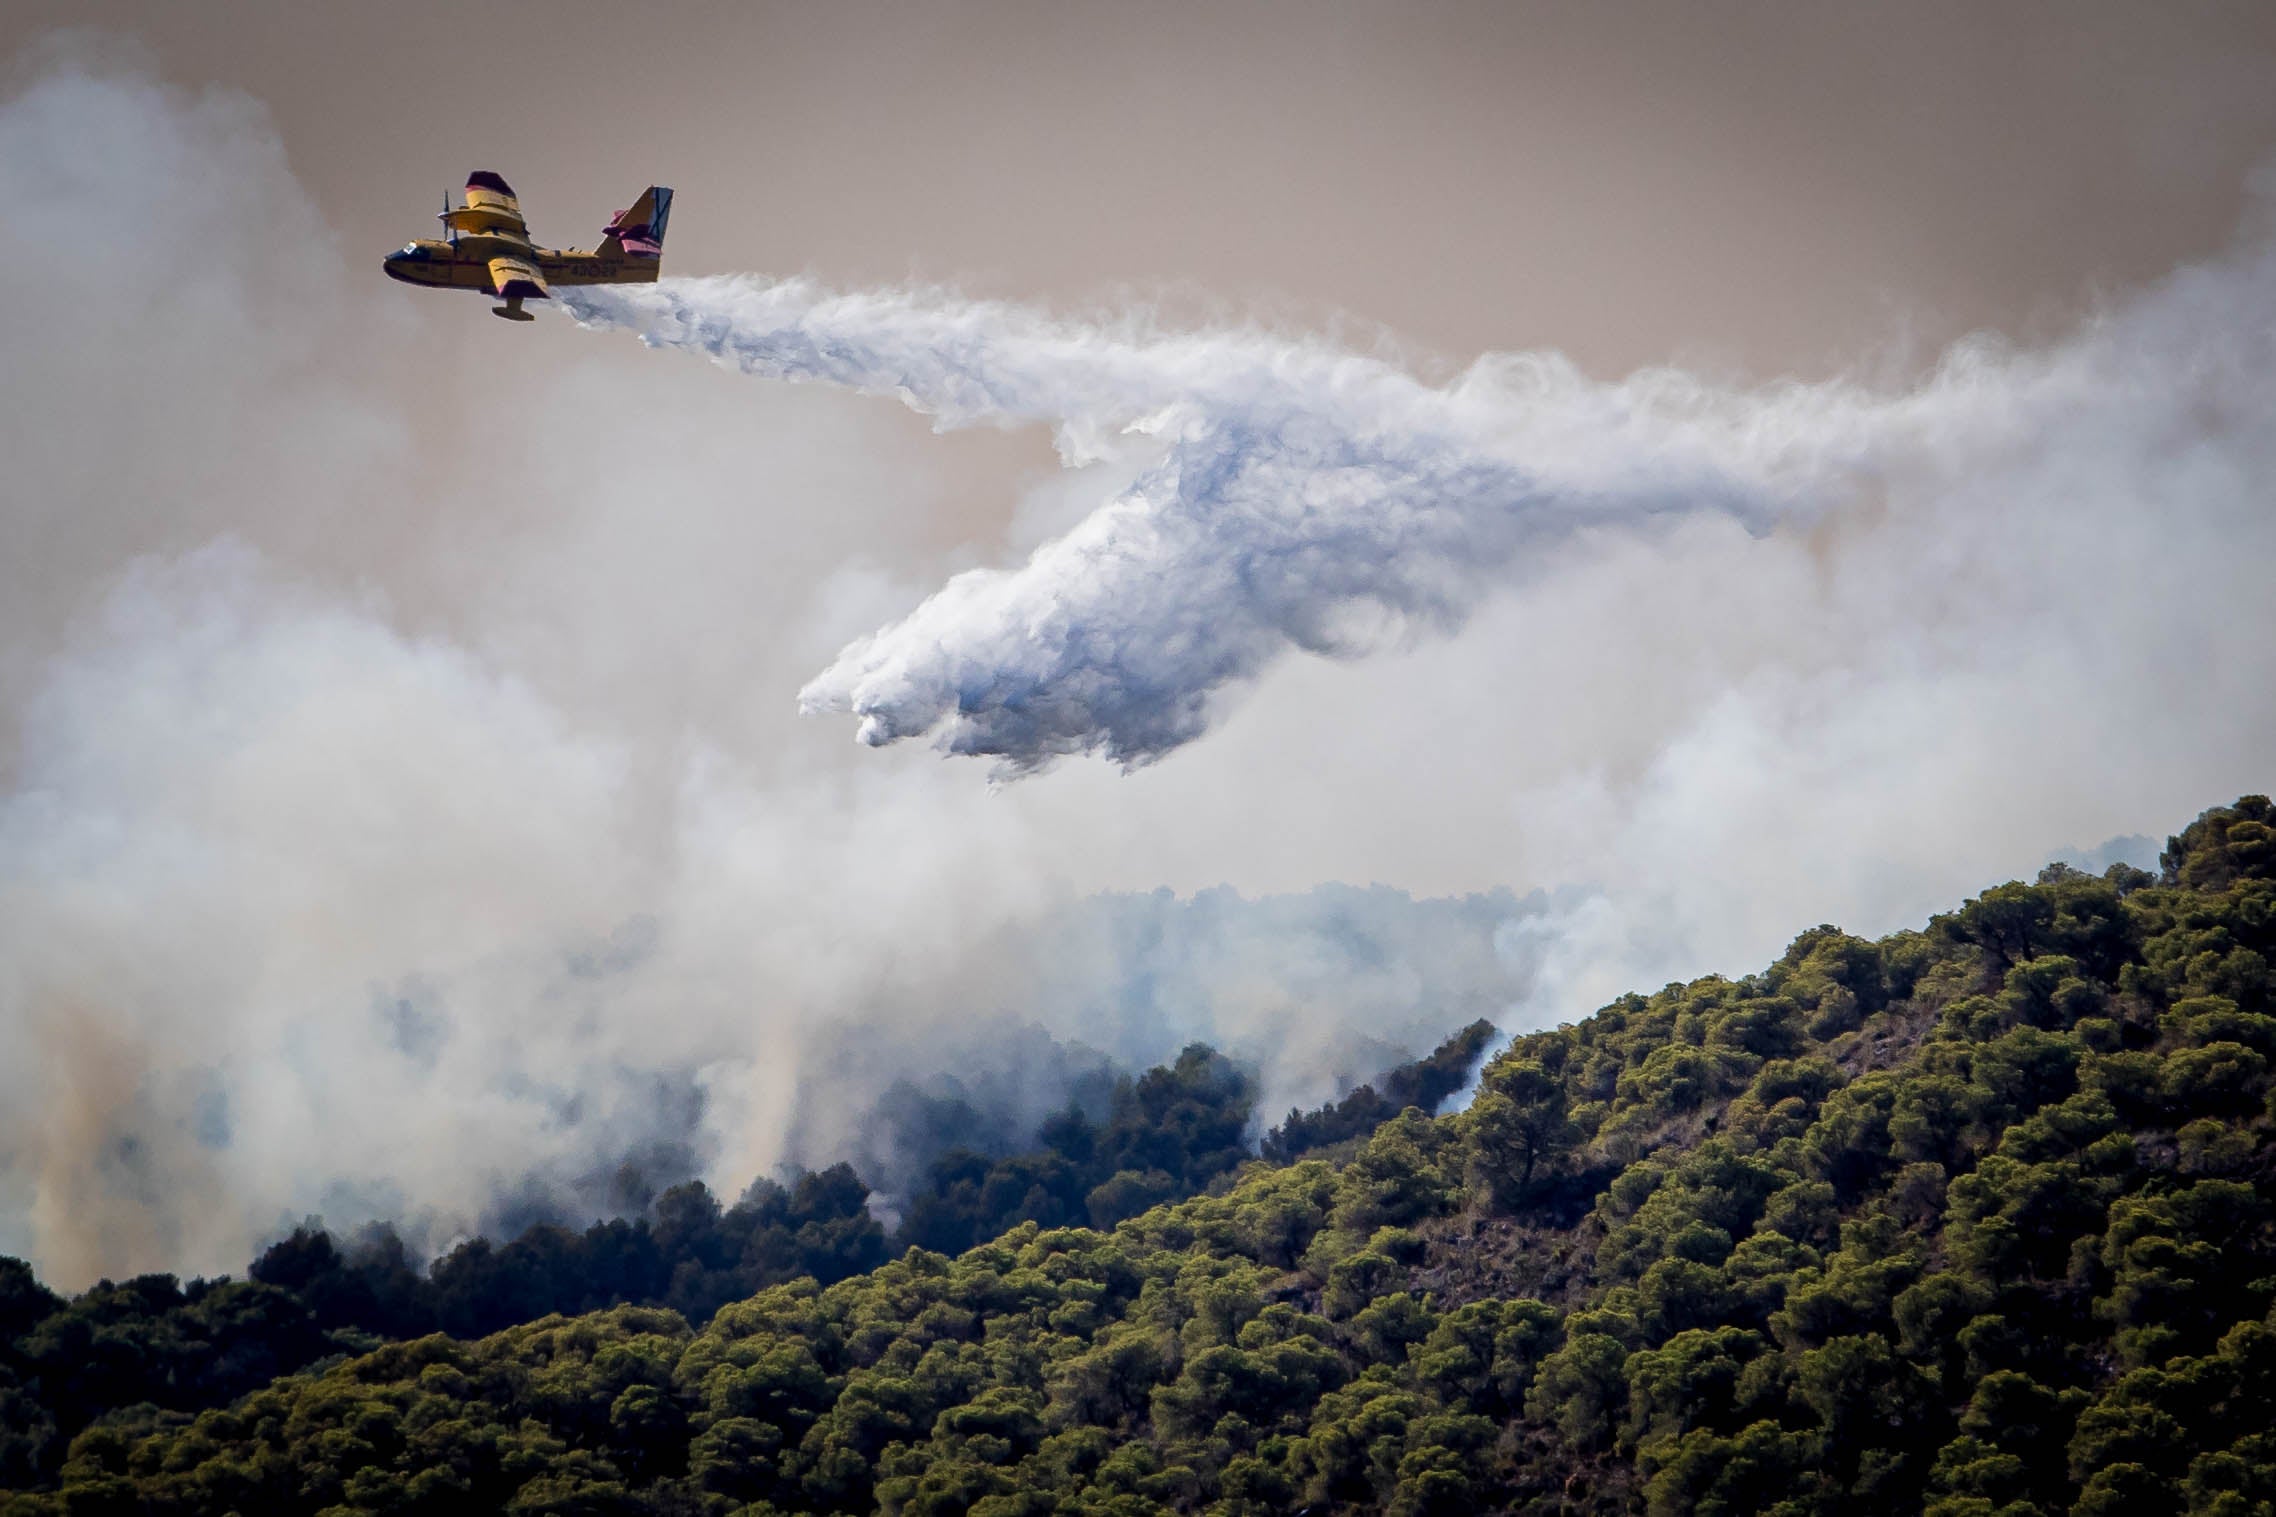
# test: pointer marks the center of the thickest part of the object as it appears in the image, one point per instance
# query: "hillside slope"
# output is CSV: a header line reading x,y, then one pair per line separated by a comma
x,y
1976,1219
1172,1132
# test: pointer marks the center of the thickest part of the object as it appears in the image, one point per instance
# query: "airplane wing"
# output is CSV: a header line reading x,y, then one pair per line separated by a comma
x,y
491,207
517,276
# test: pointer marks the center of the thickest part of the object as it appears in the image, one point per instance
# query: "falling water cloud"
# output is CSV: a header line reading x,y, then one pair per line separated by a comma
x,y
1288,496
1291,496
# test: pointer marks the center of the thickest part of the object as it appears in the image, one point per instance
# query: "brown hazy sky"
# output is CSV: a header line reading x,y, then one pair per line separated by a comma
x,y
1765,187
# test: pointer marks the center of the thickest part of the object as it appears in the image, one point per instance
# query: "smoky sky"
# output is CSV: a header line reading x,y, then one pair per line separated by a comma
x,y
407,803
1777,186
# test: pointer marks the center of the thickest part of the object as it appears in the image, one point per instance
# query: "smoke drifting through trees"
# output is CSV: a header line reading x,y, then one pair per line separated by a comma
x,y
1425,1085
1162,1136
1308,993
1969,1218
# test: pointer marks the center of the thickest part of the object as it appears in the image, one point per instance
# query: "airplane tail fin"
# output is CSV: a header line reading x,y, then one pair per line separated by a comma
x,y
640,230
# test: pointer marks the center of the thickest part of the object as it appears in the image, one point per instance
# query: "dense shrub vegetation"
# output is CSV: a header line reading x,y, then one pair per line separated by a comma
x,y
1972,1220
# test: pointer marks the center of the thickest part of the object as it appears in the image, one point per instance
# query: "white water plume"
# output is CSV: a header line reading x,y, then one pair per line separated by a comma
x,y
1285,495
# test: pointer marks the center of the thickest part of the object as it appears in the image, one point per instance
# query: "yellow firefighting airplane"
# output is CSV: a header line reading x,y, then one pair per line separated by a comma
x,y
489,249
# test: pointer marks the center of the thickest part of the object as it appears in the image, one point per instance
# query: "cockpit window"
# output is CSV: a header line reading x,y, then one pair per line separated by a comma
x,y
413,250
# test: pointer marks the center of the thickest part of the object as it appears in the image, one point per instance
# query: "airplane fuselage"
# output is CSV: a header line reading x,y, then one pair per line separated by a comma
x,y
465,264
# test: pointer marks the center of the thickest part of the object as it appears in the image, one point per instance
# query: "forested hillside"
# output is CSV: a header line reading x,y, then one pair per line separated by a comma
x,y
1165,1134
1978,1219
